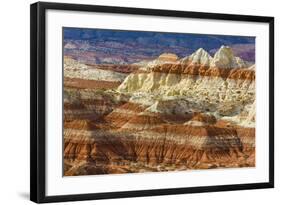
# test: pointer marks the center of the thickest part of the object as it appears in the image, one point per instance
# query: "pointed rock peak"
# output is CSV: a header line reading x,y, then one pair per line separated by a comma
x,y
201,51
224,58
224,51
200,56
168,57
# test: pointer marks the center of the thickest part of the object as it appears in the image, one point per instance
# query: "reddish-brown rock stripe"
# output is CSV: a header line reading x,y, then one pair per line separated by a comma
x,y
193,69
123,114
132,107
89,84
80,125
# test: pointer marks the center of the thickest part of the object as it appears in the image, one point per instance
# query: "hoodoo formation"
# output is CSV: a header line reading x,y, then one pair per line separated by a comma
x,y
164,114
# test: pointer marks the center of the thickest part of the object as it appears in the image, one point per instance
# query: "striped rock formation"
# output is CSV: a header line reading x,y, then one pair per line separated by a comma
x,y
223,91
156,148
171,114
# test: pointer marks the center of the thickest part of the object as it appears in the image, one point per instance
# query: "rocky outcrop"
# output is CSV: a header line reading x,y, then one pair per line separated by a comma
x,y
224,58
199,64
200,57
223,91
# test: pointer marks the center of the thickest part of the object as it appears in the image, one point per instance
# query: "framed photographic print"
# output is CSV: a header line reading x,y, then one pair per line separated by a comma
x,y
129,102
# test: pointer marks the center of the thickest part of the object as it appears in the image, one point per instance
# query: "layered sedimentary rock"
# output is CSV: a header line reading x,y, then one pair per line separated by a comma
x,y
171,114
166,147
75,69
89,103
221,90
123,114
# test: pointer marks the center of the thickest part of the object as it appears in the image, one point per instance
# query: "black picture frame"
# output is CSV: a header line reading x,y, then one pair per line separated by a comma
x,y
38,101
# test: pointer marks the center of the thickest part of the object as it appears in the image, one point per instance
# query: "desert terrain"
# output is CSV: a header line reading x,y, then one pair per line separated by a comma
x,y
167,113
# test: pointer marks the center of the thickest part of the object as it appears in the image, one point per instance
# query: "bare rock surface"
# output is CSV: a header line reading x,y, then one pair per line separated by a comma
x,y
167,114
